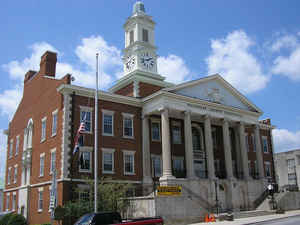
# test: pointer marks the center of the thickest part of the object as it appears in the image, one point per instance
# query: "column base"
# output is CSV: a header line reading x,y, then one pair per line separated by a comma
x,y
167,180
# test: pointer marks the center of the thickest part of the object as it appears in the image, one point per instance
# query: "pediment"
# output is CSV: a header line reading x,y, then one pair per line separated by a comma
x,y
214,89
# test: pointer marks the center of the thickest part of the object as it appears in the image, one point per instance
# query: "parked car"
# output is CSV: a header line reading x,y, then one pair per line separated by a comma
x,y
114,218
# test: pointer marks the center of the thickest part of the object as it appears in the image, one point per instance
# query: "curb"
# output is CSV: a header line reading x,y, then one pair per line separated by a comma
x,y
258,222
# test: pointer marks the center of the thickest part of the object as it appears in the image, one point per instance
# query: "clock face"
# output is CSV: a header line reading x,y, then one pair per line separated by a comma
x,y
147,60
130,62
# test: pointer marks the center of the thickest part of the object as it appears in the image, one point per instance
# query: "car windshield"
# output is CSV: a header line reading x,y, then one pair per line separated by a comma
x,y
85,219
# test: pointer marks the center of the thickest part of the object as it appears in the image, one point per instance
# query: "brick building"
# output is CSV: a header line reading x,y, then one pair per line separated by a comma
x,y
192,134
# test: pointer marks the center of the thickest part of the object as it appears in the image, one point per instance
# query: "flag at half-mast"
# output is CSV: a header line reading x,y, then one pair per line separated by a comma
x,y
79,133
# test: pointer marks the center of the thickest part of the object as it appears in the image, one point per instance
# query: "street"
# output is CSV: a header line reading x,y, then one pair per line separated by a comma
x,y
293,220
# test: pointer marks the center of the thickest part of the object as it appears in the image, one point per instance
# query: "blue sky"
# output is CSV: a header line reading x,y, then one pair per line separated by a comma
x,y
255,45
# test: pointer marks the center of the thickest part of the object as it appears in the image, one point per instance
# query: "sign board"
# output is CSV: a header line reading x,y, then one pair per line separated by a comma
x,y
169,190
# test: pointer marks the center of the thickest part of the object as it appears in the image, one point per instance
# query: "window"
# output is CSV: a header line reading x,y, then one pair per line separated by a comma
x,y
253,142
11,145
268,169
127,125
178,163
291,164
128,157
86,117
43,135
40,199
53,160
108,123
292,179
9,175
108,160
42,164
84,196
155,130
214,136
131,37
197,138
17,144
145,35
265,144
15,174
247,142
14,201
85,159
7,201
54,122
156,165
176,132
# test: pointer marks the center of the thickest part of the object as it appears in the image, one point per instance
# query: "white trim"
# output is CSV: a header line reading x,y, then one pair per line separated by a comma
x,y
42,172
9,173
109,113
111,151
44,120
7,202
14,202
131,153
52,151
54,113
11,148
15,173
40,190
17,145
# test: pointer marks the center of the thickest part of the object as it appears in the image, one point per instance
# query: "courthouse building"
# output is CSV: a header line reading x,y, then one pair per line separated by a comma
x,y
194,134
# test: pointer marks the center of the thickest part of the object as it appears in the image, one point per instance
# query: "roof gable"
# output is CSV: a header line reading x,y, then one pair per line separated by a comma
x,y
214,89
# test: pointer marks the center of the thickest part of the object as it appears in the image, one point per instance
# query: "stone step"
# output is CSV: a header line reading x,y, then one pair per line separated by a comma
x,y
253,213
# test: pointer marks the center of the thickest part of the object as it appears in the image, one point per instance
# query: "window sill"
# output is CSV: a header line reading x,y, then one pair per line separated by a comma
x,y
129,174
105,134
40,210
41,176
87,132
128,137
85,171
53,135
156,140
108,172
43,140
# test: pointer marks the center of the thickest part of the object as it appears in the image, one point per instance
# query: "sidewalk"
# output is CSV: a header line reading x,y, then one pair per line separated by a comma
x,y
250,220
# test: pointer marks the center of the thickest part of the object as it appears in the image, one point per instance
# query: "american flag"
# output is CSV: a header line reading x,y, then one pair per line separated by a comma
x,y
80,130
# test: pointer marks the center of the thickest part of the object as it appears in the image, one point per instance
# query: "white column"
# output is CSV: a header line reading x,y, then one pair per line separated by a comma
x,y
238,151
188,145
166,147
209,148
146,152
259,156
227,149
244,152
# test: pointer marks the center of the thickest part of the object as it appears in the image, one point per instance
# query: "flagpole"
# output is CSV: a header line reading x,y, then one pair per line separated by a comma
x,y
96,140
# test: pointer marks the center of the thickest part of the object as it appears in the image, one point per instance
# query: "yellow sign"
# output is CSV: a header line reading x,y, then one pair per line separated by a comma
x,y
169,190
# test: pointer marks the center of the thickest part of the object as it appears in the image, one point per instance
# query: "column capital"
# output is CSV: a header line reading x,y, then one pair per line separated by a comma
x,y
207,117
163,109
225,120
187,112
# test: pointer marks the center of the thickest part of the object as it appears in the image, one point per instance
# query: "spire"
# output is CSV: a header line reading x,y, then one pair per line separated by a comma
x,y
138,8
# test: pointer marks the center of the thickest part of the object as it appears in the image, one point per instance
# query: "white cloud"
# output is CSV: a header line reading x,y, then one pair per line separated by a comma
x,y
288,64
173,68
9,100
18,69
286,140
232,59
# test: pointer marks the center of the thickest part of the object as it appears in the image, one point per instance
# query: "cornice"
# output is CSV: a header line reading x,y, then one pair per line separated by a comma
x,y
88,92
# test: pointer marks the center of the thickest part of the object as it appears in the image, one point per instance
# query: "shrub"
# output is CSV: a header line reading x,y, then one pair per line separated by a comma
x,y
4,220
17,219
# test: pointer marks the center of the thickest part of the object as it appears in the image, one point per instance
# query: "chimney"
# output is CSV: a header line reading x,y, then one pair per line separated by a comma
x,y
29,75
48,64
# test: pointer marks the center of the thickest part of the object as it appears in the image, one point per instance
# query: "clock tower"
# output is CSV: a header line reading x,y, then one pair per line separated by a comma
x,y
140,50
139,57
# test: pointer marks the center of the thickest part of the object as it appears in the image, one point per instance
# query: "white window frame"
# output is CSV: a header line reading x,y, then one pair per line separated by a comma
x,y
42,171
9,175
7,201
11,146
269,165
110,113
177,124
54,123
17,145
14,201
90,110
84,150
265,138
40,194
44,129
52,151
131,153
128,116
110,151
15,173
159,130
159,157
